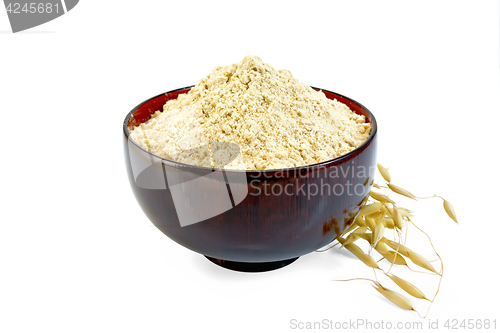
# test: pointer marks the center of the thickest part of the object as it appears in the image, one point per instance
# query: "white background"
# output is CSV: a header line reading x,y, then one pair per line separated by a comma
x,y
78,255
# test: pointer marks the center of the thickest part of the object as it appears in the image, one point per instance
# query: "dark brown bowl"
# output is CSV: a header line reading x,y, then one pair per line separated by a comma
x,y
250,220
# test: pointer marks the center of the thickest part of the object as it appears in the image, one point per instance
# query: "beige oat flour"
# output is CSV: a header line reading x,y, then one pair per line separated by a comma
x,y
276,121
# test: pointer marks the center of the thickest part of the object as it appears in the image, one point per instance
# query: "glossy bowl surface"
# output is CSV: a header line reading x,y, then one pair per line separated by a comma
x,y
249,220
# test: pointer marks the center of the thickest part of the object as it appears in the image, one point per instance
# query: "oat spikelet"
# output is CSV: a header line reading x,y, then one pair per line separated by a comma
x,y
419,260
407,286
360,221
450,210
356,250
404,212
360,230
393,257
394,297
397,218
366,236
350,239
401,191
365,258
388,223
351,228
384,172
375,216
381,197
380,247
370,223
370,209
378,233
397,247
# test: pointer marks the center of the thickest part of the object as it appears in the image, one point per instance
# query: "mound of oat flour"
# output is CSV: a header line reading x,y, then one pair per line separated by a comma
x,y
276,121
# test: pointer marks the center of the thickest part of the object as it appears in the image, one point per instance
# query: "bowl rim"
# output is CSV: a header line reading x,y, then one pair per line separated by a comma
x,y
310,167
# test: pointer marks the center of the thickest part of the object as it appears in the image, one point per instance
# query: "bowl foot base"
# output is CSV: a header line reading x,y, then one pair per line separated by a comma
x,y
251,267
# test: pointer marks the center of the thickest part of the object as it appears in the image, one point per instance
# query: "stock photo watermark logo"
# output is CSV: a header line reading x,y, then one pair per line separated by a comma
x,y
26,14
200,193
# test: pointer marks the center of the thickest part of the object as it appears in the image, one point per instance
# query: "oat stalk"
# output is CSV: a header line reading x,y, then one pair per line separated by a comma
x,y
377,213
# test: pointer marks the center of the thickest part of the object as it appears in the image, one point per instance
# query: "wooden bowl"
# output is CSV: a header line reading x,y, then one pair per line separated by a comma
x,y
250,221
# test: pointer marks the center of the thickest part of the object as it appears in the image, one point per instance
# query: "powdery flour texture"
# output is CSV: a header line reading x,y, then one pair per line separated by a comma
x,y
271,120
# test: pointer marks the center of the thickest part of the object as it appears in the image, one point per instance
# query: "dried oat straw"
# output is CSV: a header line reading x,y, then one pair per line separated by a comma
x,y
276,121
